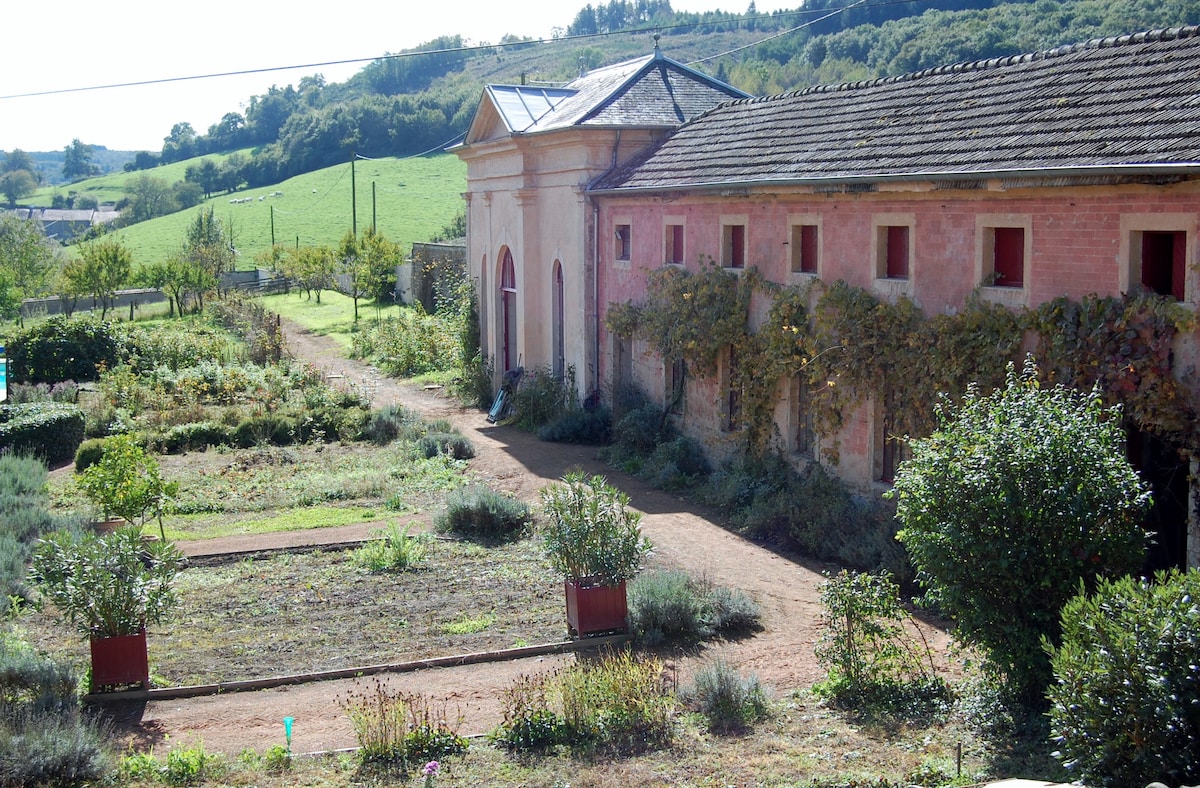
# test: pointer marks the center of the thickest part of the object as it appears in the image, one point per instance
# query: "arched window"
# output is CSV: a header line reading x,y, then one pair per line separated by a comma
x,y
508,312
559,363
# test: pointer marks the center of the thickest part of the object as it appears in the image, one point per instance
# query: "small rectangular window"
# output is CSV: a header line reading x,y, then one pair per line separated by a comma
x,y
1003,257
1164,263
623,242
673,240
895,252
803,244
733,245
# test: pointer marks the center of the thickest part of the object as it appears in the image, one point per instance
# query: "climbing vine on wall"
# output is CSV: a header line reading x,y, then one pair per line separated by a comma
x,y
852,347
1124,345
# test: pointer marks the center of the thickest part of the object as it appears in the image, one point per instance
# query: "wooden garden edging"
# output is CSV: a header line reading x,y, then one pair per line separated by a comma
x,y
501,655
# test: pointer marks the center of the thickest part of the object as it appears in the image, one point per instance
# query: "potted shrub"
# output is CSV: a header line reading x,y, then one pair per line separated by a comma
x,y
126,483
109,586
592,537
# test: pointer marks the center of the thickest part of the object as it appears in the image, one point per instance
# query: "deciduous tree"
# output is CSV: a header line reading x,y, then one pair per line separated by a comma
x,y
105,268
77,161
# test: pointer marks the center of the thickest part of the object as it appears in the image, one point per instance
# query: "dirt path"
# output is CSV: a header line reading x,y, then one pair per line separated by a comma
x,y
781,655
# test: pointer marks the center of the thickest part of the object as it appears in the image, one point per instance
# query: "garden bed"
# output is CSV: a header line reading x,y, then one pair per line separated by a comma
x,y
318,611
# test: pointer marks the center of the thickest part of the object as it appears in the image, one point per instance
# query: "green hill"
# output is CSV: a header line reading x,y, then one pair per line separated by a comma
x,y
414,198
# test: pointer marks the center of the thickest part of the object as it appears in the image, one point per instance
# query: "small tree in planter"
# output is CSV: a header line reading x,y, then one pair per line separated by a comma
x,y
109,587
127,483
593,539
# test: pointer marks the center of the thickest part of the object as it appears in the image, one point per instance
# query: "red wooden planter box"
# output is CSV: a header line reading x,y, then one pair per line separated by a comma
x,y
120,661
594,609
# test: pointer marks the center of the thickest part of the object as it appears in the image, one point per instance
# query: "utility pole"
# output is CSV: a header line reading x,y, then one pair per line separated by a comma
x,y
353,197
374,226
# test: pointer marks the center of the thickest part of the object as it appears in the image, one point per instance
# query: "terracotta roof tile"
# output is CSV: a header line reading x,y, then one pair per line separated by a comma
x,y
1109,103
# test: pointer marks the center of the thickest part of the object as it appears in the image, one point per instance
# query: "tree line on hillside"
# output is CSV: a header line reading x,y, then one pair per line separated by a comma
x,y
419,100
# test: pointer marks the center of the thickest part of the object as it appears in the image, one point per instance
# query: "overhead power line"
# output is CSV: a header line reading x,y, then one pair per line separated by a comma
x,y
448,50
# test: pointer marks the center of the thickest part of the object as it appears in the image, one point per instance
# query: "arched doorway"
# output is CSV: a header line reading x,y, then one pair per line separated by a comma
x,y
559,363
508,312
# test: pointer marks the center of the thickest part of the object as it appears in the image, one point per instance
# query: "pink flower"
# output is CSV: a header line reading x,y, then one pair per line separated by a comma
x,y
431,768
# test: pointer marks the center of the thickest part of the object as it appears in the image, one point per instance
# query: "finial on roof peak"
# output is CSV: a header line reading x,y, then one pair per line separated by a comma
x,y
657,50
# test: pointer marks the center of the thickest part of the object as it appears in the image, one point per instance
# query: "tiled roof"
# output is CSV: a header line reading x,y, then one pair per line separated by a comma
x,y
652,91
1119,103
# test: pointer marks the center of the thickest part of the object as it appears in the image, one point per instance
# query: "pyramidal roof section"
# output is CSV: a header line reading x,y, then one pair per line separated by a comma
x,y
653,91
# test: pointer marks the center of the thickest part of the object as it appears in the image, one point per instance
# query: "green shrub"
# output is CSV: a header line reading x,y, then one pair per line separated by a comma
x,y
665,605
452,444
51,749
387,424
640,430
63,348
529,721
676,464
89,453
392,550
1014,501
480,512
330,423
51,431
431,736
729,702
1123,706
868,650
271,430
591,427
379,717
810,511
669,604
66,391
619,700
194,436
542,398
191,766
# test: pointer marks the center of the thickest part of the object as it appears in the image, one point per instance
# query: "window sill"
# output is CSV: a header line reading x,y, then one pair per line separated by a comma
x,y
1011,297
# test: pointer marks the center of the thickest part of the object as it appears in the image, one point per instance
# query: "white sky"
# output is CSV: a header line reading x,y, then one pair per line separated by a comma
x,y
74,44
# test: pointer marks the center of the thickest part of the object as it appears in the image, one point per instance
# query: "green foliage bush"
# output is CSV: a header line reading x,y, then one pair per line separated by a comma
x,y
63,348
1015,501
51,431
193,436
619,700
387,424
51,749
530,722
578,425
25,517
273,430
451,444
729,702
590,532
669,604
44,738
809,511
392,549
868,648
89,453
410,344
542,398
66,391
477,511
1123,706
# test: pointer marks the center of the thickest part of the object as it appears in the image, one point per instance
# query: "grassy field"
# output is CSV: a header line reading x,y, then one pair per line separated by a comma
x,y
410,199
111,188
